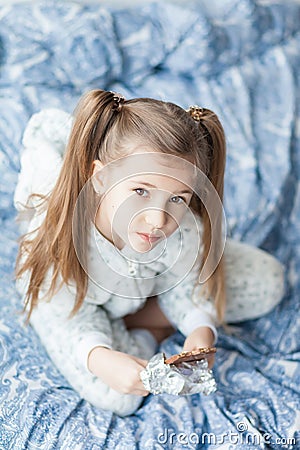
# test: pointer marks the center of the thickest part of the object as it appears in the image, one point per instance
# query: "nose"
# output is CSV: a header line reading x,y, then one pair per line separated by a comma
x,y
156,218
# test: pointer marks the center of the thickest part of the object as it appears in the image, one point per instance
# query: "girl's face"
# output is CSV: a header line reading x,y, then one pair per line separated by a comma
x,y
144,198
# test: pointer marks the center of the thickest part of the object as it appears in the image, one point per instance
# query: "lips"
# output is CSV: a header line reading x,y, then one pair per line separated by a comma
x,y
149,237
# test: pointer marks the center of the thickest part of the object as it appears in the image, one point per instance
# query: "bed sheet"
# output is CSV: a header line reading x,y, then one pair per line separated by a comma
x,y
239,58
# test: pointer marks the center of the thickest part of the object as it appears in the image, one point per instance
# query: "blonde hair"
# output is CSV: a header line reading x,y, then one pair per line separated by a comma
x,y
101,130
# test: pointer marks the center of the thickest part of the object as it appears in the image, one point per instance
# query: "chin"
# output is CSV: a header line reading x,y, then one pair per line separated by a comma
x,y
141,247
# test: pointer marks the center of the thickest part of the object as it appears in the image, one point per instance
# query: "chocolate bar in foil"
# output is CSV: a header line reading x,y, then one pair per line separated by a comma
x,y
185,376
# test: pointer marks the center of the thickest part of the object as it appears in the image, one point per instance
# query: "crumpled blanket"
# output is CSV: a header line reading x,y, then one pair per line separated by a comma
x,y
240,58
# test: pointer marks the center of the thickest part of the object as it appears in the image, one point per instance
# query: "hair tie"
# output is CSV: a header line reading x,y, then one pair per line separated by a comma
x,y
196,112
118,100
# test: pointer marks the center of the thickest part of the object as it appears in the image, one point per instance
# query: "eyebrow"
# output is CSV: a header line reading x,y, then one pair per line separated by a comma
x,y
144,183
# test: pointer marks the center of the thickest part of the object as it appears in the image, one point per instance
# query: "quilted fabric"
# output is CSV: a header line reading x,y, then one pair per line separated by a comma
x,y
240,58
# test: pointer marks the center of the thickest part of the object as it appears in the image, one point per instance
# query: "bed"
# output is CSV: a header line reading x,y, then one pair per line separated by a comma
x,y
240,58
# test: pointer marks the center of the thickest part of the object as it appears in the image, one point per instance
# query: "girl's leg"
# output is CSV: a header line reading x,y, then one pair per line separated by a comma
x,y
254,282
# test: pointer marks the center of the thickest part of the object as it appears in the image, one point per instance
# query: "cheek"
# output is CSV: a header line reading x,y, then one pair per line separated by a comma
x,y
134,222
113,201
176,214
172,226
108,207
175,219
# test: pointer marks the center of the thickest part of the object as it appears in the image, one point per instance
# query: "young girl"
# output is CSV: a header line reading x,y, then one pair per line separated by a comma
x,y
115,203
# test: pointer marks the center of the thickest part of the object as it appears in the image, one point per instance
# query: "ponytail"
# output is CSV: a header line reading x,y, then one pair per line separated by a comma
x,y
212,131
52,248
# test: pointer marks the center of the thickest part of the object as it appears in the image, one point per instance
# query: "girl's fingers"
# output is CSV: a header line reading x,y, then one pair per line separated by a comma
x,y
211,361
139,389
141,393
141,362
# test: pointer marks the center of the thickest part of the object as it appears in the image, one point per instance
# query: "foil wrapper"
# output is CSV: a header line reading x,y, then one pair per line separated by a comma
x,y
184,379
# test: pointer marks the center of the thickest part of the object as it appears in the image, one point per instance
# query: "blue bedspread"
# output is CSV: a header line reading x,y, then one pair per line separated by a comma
x,y
240,58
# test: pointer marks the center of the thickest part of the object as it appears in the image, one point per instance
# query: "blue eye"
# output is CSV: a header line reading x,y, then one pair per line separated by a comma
x,y
177,199
141,192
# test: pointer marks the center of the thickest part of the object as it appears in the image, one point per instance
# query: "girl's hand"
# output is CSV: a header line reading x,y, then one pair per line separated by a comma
x,y
200,338
118,370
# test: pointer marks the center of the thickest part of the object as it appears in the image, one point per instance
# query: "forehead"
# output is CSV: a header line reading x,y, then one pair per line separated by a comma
x,y
154,167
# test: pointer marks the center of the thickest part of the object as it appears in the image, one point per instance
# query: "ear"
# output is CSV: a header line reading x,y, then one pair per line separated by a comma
x,y
96,166
97,182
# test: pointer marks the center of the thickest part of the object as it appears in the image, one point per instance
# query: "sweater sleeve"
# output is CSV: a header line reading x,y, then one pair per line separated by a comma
x,y
185,314
177,301
75,337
